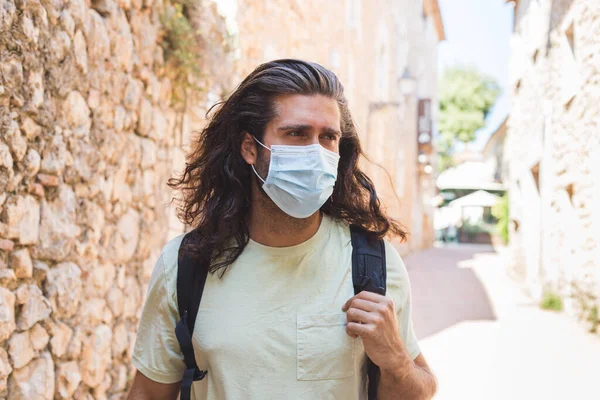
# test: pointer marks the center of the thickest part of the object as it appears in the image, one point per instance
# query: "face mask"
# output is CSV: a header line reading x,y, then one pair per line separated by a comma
x,y
300,178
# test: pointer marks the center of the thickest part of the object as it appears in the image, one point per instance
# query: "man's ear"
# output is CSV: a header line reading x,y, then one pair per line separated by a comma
x,y
248,149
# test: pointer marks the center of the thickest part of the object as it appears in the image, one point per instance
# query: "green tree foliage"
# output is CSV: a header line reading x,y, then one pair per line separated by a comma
x,y
182,50
551,301
466,98
500,212
444,148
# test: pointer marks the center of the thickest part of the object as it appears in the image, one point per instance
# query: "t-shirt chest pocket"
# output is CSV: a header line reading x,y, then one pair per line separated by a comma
x,y
324,349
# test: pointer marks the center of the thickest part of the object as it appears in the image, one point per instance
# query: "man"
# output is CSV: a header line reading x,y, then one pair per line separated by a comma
x,y
271,189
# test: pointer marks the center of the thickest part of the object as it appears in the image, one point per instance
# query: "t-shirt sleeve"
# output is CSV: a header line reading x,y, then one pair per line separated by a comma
x,y
156,352
398,288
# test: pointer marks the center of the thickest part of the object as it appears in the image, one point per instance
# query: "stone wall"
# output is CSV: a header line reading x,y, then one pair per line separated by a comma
x,y
88,140
553,147
89,137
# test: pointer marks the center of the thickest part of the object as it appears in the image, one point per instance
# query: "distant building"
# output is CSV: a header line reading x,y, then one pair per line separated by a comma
x,y
385,53
493,153
467,155
469,176
553,148
470,188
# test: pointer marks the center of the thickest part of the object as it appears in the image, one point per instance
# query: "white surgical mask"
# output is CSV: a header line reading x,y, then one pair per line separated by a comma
x,y
300,178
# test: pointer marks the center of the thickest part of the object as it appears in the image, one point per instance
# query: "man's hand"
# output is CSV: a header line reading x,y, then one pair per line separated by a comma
x,y
373,317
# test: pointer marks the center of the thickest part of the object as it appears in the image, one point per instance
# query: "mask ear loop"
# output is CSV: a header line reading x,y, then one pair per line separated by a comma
x,y
254,169
258,141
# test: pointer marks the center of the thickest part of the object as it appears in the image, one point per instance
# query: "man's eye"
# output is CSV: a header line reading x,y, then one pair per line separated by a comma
x,y
294,133
330,137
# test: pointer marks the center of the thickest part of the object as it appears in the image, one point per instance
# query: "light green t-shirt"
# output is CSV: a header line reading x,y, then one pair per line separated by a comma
x,y
273,326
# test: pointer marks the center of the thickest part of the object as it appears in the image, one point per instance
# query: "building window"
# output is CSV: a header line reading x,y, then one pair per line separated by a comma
x,y
515,224
569,103
353,11
535,171
570,36
570,75
570,191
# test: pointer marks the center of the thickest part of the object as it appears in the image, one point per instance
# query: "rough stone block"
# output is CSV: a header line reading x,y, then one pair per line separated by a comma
x,y
20,349
20,262
58,226
98,40
36,189
64,288
6,159
30,128
23,219
7,314
39,337
120,341
68,379
22,294
56,156
125,240
61,336
48,180
32,162
145,118
5,370
67,22
96,356
80,49
16,142
77,114
7,245
34,381
37,308
7,277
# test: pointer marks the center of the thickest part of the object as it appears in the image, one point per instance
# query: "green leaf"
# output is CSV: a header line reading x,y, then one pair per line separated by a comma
x,y
465,99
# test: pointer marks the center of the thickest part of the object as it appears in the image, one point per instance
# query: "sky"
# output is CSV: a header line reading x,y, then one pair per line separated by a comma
x,y
478,34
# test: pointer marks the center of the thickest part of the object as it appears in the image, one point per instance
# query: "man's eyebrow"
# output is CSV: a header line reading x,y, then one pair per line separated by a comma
x,y
332,131
302,127
298,127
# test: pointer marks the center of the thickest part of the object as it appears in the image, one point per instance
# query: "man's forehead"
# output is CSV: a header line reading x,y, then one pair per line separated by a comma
x,y
315,110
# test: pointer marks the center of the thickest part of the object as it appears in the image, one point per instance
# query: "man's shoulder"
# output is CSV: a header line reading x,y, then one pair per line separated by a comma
x,y
339,227
398,283
392,257
170,253
394,263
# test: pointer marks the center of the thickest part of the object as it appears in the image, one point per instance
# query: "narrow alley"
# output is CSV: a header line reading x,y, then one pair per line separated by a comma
x,y
486,341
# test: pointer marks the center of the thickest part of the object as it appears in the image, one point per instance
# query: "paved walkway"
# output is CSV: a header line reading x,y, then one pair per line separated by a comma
x,y
486,341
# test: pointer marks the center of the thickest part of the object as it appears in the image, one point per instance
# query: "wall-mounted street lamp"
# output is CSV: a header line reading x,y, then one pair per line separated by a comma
x,y
408,84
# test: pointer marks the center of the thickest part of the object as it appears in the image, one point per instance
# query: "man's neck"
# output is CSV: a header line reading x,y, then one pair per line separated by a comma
x,y
270,226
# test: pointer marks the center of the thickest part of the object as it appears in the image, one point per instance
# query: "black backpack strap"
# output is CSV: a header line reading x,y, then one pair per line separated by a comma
x,y
191,278
368,273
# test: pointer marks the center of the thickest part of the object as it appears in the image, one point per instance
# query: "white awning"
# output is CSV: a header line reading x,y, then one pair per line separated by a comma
x,y
480,198
472,175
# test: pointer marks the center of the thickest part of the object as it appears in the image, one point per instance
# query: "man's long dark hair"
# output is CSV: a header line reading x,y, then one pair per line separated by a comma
x,y
216,182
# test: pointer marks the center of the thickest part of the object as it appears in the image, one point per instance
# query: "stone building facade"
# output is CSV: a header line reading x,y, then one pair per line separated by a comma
x,y
370,46
89,137
553,149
